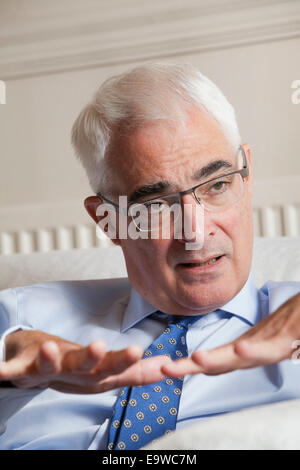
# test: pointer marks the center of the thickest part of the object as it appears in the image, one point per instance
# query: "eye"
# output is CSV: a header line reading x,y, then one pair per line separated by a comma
x,y
156,206
219,186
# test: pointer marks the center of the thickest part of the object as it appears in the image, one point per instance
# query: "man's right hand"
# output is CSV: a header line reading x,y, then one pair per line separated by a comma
x,y
36,359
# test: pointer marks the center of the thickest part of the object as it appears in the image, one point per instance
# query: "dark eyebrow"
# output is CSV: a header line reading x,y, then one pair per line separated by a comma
x,y
211,168
162,186
149,190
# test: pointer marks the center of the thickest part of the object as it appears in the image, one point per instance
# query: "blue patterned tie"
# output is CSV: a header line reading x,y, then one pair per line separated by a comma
x,y
146,412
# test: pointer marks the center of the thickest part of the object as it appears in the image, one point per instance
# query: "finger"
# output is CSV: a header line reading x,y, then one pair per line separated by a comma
x,y
243,354
222,360
85,358
143,372
181,367
13,368
87,370
264,352
48,360
115,362
212,362
93,355
26,372
216,361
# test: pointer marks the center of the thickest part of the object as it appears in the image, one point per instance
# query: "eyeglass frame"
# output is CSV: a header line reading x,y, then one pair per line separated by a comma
x,y
244,172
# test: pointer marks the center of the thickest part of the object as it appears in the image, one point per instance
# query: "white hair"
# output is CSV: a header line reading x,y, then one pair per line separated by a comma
x,y
150,92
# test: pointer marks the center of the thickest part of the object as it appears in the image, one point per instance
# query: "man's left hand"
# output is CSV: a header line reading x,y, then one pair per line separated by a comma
x,y
268,342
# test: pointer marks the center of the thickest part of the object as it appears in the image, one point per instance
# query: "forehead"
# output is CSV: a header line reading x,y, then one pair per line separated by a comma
x,y
160,152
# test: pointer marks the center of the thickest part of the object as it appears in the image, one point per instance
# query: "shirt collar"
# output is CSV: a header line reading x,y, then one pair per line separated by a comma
x,y
137,309
245,306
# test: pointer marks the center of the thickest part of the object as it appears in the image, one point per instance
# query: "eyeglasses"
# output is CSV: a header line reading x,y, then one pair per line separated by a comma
x,y
213,195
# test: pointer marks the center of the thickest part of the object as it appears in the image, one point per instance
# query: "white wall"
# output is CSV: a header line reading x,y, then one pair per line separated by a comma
x,y
53,58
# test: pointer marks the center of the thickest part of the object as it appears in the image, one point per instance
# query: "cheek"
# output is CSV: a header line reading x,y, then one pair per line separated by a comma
x,y
145,257
238,224
240,230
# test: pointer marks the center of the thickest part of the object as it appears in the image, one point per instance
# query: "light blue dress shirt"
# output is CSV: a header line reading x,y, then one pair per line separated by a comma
x,y
111,310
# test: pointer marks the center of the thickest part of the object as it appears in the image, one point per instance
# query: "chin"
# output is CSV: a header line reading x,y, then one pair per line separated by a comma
x,y
205,298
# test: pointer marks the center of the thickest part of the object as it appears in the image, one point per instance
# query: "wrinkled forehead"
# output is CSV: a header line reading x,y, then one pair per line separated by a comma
x,y
169,152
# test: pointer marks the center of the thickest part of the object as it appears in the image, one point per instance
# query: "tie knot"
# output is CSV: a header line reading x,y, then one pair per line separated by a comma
x,y
184,321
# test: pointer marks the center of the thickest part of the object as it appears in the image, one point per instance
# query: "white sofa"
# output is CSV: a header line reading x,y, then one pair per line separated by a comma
x,y
273,258
274,426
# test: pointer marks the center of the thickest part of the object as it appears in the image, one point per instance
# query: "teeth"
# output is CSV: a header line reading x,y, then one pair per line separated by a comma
x,y
213,260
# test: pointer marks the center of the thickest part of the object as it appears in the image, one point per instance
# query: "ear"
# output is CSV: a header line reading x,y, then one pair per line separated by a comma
x,y
91,204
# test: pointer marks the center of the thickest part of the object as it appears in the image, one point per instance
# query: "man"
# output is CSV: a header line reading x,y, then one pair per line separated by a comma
x,y
155,135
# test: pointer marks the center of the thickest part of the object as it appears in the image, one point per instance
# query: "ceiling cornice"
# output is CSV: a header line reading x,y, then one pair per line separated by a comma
x,y
71,35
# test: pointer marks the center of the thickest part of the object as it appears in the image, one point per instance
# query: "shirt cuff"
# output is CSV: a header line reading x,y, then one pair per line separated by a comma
x,y
7,332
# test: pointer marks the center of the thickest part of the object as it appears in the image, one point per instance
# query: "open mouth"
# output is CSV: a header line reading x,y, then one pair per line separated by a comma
x,y
204,263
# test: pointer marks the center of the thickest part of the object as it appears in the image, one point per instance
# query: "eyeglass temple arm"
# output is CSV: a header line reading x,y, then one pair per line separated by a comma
x,y
116,206
245,170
